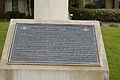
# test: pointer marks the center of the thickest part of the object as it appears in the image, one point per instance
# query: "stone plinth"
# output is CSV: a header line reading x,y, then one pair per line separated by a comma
x,y
53,72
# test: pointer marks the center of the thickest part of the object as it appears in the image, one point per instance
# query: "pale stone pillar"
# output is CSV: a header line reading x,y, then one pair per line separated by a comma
x,y
51,9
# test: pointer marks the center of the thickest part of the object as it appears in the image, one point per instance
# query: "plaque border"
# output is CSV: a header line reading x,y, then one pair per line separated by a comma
x,y
38,63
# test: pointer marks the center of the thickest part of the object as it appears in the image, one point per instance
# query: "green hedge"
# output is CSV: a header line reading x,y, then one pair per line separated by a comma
x,y
14,15
2,15
106,15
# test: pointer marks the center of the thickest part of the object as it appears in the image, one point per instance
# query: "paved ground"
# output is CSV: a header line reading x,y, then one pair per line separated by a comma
x,y
111,24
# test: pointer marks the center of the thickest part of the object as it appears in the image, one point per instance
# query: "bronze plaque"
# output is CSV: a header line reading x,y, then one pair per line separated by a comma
x,y
54,44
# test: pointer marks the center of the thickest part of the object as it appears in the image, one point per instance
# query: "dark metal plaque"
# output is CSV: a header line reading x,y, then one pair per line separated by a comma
x,y
54,44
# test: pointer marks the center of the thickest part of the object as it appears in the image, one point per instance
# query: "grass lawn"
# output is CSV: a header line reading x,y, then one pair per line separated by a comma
x,y
111,37
3,30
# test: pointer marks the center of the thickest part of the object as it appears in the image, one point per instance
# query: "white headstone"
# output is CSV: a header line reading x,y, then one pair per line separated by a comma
x,y
51,10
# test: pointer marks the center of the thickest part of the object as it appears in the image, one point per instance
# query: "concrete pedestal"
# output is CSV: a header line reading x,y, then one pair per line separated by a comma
x,y
44,72
51,10
52,75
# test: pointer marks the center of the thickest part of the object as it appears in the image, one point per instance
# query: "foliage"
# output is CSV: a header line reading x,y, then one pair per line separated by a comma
x,y
107,15
2,15
113,25
91,5
77,3
14,14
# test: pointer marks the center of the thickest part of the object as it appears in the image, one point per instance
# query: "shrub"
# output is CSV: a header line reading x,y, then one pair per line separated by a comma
x,y
28,17
106,15
2,15
14,14
113,25
90,4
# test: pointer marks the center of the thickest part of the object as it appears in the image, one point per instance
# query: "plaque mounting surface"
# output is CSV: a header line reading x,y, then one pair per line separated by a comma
x,y
54,44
